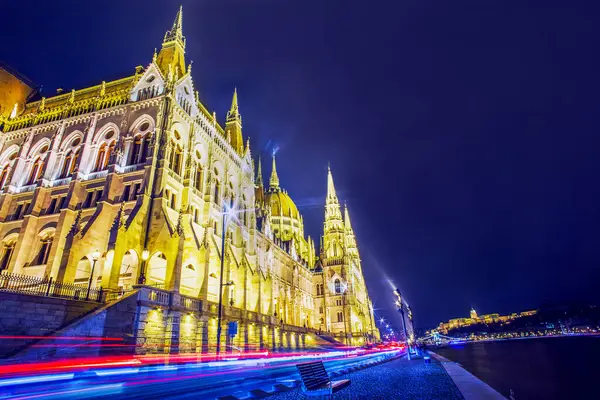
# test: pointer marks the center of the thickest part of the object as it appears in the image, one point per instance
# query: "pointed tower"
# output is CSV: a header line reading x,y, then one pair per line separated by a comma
x,y
349,313
274,181
173,48
350,238
333,214
233,125
259,178
259,194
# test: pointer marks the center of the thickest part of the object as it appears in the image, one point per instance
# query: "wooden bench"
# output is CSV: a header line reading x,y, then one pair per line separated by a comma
x,y
316,381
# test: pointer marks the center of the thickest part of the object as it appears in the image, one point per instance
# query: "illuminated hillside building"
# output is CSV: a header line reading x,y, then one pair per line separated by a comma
x,y
140,170
457,323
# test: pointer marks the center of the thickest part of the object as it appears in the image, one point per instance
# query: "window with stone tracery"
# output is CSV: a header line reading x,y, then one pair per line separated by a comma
x,y
44,252
36,171
103,157
69,163
139,150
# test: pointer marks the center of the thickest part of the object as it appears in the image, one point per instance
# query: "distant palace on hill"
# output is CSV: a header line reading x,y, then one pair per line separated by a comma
x,y
456,323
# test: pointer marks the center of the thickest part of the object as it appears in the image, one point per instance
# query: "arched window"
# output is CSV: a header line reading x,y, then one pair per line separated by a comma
x,y
3,176
44,252
340,316
36,171
198,178
176,159
338,286
145,147
7,252
217,199
136,150
139,151
70,163
104,154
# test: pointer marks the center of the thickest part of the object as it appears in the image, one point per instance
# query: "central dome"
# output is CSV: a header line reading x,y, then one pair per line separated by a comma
x,y
282,205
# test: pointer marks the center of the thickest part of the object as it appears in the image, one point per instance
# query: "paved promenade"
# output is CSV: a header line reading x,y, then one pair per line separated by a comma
x,y
397,379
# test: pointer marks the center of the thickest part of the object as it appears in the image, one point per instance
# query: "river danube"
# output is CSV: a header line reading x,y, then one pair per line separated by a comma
x,y
543,368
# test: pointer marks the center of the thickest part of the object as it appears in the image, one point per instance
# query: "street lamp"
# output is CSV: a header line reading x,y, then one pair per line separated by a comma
x,y
95,256
410,320
142,277
400,306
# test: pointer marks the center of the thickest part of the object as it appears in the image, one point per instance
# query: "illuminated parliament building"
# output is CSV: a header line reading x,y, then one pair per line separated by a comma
x,y
133,186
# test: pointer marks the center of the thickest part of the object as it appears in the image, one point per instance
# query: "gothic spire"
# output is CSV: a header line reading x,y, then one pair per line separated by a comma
x,y
347,223
333,214
178,23
331,195
259,179
234,112
233,125
274,181
173,47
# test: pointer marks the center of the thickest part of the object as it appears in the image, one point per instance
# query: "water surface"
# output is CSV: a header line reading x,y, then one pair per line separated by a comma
x,y
544,368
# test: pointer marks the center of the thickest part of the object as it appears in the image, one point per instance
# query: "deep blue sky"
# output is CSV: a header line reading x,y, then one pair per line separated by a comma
x,y
462,134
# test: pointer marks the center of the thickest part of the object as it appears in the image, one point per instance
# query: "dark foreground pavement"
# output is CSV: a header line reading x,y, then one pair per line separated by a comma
x,y
397,379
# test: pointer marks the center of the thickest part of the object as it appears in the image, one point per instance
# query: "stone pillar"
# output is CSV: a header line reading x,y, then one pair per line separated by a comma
x,y
261,339
203,334
247,327
172,332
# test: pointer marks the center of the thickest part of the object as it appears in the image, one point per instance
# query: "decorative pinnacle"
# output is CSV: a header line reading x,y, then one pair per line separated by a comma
x,y
331,195
176,32
274,181
178,23
234,112
347,224
259,179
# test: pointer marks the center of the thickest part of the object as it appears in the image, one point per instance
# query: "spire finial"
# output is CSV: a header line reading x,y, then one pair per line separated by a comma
x,y
233,115
347,223
331,195
178,23
173,47
154,56
259,179
274,181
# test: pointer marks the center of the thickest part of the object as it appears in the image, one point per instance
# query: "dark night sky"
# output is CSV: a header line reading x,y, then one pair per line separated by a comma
x,y
462,134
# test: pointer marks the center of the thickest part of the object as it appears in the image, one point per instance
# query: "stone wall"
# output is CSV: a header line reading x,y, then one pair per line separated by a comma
x,y
23,315
108,330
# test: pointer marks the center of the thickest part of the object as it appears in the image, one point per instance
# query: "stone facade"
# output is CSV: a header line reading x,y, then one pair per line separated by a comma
x,y
134,182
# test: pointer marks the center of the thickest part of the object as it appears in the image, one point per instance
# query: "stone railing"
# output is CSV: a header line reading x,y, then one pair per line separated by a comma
x,y
27,188
130,168
61,182
97,175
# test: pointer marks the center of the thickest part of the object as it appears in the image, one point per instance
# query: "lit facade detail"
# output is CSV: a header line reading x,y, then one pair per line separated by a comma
x,y
140,170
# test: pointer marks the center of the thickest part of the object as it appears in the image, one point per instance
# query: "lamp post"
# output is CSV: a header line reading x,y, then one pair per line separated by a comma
x,y
95,256
410,320
400,306
372,333
142,277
